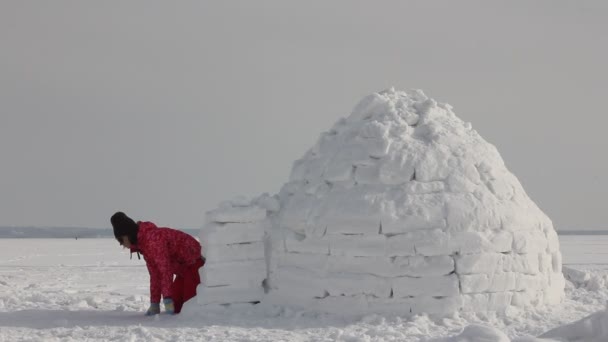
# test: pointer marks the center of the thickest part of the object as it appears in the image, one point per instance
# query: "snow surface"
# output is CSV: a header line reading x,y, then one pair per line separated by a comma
x,y
89,289
400,207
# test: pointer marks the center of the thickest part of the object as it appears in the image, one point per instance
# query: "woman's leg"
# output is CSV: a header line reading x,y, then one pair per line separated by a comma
x,y
177,291
191,279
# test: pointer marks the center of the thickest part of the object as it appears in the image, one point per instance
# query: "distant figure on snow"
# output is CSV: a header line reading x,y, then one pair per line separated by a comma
x,y
167,252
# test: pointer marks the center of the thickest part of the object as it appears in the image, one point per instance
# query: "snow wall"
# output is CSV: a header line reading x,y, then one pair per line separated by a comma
x,y
399,208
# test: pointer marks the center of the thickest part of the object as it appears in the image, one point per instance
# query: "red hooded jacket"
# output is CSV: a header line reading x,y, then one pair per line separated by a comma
x,y
167,252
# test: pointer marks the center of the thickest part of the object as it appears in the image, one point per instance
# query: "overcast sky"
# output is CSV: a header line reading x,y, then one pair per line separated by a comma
x,y
164,109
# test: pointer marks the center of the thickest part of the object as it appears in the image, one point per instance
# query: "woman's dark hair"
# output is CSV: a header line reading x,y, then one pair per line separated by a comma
x,y
124,225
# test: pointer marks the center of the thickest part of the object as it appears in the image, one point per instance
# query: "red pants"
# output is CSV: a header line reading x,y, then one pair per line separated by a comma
x,y
185,283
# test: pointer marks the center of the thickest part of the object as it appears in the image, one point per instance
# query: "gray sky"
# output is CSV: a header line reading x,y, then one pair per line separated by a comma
x,y
163,109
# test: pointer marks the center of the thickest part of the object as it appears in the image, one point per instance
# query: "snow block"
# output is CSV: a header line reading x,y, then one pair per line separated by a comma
x,y
397,168
413,212
307,245
298,283
557,281
435,164
501,187
437,242
436,305
366,221
441,245
356,245
315,263
486,301
552,239
484,263
417,266
316,189
339,169
415,187
402,244
230,233
464,179
342,305
429,242
228,295
527,282
474,283
377,266
545,263
270,203
369,226
374,130
519,219
417,305
295,214
554,293
527,298
502,241
357,152
234,252
315,169
241,274
355,212
236,214
367,174
326,141
465,212
421,266
556,261
376,148
427,286
522,263
476,242
529,242
458,183
497,282
284,297
577,277
291,188
351,284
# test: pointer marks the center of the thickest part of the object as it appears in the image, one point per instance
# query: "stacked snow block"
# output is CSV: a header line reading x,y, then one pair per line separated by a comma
x,y
233,244
361,273
355,266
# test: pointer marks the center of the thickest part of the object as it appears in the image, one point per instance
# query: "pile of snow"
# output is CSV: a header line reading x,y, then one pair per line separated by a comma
x,y
592,328
403,208
589,329
233,245
585,279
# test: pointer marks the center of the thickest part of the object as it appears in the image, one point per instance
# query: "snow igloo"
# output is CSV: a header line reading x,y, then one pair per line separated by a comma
x,y
399,208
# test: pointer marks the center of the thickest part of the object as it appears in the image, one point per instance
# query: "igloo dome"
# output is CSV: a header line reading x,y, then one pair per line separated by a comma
x,y
402,208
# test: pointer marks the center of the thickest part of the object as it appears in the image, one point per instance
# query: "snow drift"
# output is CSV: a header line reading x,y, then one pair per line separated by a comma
x,y
402,208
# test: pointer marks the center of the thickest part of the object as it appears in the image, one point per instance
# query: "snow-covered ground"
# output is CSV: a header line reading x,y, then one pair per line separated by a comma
x,y
89,289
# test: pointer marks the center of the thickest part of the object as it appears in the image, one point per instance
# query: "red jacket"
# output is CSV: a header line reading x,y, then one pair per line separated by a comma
x,y
167,252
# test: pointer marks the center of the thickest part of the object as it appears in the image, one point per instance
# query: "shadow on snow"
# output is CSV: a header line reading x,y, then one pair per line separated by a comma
x,y
45,319
48,319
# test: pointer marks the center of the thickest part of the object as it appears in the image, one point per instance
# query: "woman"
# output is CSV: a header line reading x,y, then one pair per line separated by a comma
x,y
167,252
